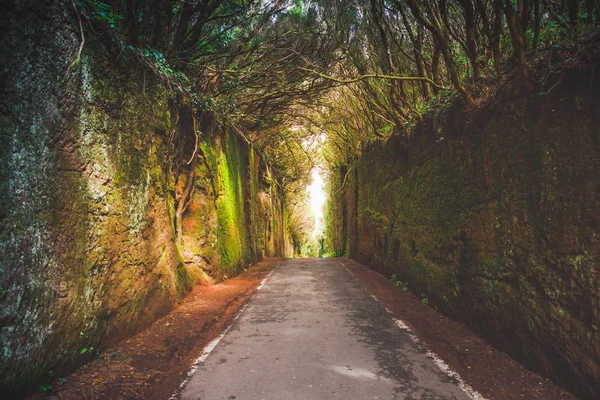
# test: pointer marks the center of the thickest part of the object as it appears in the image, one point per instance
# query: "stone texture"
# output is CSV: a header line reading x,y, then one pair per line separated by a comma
x,y
87,238
493,217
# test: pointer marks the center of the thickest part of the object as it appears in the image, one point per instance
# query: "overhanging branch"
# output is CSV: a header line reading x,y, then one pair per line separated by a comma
x,y
377,76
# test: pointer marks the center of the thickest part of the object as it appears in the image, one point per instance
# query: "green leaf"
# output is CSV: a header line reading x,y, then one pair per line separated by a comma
x,y
46,388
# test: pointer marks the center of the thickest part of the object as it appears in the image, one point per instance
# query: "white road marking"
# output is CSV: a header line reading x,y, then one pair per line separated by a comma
x,y
441,364
205,353
213,344
357,372
262,283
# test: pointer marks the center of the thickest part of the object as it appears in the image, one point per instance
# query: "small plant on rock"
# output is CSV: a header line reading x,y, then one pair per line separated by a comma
x,y
46,388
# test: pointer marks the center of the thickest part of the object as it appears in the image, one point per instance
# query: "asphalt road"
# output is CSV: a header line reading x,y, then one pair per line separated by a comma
x,y
314,332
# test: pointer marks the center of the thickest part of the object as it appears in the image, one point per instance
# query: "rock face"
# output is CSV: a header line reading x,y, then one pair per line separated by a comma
x,y
493,217
88,250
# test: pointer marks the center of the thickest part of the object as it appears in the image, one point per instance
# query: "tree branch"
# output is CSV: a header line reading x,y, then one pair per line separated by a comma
x,y
78,56
368,76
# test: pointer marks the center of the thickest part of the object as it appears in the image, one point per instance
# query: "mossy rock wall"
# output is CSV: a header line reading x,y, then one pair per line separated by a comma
x,y
235,217
493,216
87,239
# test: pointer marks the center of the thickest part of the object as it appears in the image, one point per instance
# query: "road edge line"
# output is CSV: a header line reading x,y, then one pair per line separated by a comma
x,y
262,283
437,360
213,343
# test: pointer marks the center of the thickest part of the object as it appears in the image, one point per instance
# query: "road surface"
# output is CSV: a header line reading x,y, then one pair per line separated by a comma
x,y
313,332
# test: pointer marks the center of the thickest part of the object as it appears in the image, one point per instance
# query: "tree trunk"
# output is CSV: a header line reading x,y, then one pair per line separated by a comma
x,y
435,66
452,72
517,41
160,31
471,36
132,21
495,39
206,10
185,199
183,20
441,35
573,12
417,42
419,60
525,18
536,23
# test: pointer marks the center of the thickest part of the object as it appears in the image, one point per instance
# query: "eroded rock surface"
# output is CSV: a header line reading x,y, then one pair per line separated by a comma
x,y
493,217
87,198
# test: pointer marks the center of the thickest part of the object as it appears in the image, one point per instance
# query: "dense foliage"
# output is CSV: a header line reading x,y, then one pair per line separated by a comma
x,y
403,59
282,72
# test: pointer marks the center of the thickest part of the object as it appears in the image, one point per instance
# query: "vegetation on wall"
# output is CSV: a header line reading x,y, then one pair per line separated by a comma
x,y
468,217
229,66
404,60
145,141
358,70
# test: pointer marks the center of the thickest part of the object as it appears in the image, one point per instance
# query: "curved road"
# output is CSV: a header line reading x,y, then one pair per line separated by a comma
x,y
313,332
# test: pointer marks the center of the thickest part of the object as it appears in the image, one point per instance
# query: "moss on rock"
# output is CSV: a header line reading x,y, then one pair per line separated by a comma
x,y
495,224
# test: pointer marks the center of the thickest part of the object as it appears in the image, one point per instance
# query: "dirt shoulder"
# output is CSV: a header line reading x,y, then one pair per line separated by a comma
x,y
152,364
492,373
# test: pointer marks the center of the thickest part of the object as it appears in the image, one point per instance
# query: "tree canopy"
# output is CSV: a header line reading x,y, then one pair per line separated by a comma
x,y
284,72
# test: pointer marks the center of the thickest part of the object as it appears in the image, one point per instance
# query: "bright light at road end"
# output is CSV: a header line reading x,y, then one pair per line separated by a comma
x,y
316,191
